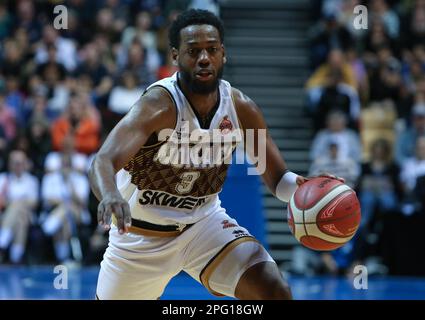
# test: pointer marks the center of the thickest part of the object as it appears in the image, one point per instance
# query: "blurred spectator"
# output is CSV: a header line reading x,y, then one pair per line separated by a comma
x,y
137,62
26,18
11,59
336,131
334,95
97,73
64,194
7,118
66,50
210,5
18,198
334,163
77,123
141,31
39,143
360,73
51,83
385,77
377,38
107,26
53,161
3,149
14,98
380,10
336,62
414,25
328,35
379,186
414,167
379,191
122,97
406,141
5,21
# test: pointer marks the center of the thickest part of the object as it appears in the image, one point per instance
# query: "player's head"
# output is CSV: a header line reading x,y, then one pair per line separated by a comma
x,y
196,41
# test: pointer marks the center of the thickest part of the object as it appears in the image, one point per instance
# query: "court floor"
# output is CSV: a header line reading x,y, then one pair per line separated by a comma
x,y
38,283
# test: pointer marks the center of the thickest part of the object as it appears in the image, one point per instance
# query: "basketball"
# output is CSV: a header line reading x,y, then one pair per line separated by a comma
x,y
324,214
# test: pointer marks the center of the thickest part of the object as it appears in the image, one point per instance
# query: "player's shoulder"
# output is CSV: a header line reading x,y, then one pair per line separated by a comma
x,y
243,103
157,97
154,109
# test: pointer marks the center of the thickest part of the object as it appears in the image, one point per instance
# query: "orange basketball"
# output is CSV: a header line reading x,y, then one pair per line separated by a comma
x,y
324,214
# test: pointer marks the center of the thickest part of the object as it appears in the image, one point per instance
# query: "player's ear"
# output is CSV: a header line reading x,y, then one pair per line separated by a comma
x,y
175,55
224,54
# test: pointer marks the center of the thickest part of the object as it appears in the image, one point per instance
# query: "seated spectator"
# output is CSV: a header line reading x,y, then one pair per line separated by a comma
x,y
380,10
54,87
14,98
414,30
18,199
26,18
122,98
7,118
66,50
348,141
141,31
138,60
3,149
64,195
39,143
124,95
336,62
334,95
385,76
414,167
93,67
328,35
406,141
53,161
77,123
333,163
379,185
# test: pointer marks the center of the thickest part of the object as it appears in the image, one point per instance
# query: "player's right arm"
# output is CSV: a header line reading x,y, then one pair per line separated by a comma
x,y
153,112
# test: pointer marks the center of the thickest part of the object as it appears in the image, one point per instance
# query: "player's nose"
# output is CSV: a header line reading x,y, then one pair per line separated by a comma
x,y
204,58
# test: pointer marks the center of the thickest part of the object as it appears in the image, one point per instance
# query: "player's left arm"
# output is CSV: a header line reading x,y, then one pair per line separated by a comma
x,y
277,177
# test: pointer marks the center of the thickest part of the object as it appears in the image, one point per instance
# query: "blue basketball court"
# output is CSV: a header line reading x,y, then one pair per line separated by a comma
x,y
38,283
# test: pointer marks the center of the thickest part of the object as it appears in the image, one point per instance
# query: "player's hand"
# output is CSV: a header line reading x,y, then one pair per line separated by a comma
x,y
116,205
301,179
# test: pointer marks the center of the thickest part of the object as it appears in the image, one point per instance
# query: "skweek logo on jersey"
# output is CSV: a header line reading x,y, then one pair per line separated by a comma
x,y
164,199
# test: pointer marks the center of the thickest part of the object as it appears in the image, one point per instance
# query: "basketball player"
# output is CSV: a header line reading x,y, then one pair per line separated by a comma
x,y
167,217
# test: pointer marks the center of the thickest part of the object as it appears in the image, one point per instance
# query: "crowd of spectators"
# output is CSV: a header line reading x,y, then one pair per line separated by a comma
x,y
366,93
61,92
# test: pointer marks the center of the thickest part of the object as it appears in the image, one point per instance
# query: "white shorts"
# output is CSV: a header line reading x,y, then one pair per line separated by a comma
x,y
140,267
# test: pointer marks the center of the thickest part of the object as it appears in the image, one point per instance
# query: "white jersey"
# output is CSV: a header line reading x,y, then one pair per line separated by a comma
x,y
177,180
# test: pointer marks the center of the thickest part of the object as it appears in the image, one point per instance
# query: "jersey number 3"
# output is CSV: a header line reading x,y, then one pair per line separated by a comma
x,y
187,181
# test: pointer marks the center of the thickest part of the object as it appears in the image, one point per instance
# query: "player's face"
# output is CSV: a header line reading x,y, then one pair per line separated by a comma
x,y
200,58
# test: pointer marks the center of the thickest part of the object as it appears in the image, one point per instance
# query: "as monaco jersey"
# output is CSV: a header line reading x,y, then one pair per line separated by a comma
x,y
177,180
